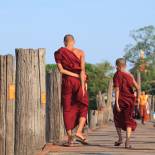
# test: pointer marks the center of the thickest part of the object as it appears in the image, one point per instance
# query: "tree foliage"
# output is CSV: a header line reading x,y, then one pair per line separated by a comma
x,y
99,76
49,67
143,40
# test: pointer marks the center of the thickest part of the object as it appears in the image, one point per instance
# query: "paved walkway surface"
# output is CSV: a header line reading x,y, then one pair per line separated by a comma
x,y
102,143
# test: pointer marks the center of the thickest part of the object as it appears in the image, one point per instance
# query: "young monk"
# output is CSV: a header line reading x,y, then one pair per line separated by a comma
x,y
71,64
124,102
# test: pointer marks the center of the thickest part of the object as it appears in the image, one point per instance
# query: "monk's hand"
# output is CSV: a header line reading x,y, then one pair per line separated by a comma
x,y
118,108
83,76
83,89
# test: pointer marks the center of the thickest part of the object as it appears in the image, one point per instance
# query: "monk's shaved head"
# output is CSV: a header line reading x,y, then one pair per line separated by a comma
x,y
68,37
120,62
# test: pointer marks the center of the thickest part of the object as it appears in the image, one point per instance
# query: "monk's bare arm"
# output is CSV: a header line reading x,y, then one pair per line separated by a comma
x,y
82,67
116,98
83,62
66,72
116,94
135,84
83,74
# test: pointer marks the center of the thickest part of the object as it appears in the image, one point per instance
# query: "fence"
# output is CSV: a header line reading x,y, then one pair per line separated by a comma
x,y
26,122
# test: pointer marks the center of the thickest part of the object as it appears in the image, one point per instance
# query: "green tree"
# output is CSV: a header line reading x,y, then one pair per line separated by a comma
x,y
49,67
99,76
143,39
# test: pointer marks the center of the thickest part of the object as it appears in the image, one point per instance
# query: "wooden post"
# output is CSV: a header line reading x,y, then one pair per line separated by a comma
x,y
100,106
149,106
93,119
7,106
2,103
55,124
153,103
109,101
30,101
152,107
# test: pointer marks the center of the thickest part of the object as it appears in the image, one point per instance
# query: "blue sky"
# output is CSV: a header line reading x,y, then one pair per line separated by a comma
x,y
101,27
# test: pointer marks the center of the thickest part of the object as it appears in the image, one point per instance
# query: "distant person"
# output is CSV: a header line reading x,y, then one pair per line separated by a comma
x,y
143,106
124,102
136,107
71,64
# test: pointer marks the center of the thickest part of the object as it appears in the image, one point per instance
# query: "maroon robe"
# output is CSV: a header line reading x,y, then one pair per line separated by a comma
x,y
126,101
75,105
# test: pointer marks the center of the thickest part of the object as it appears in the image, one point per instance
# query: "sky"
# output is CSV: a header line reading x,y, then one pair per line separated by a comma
x,y
101,27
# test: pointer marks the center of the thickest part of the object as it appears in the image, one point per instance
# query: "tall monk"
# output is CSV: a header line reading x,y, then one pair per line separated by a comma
x,y
124,102
71,64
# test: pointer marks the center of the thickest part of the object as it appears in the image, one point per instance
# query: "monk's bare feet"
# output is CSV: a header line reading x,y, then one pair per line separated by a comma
x,y
127,144
70,139
80,135
118,143
70,142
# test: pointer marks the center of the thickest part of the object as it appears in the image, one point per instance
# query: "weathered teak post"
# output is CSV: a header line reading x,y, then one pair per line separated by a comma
x,y
100,107
30,101
54,123
7,106
109,101
152,106
93,119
